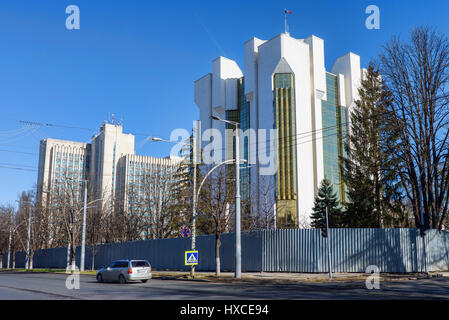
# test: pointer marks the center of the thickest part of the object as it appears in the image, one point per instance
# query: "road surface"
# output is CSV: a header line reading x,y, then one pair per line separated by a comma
x,y
49,286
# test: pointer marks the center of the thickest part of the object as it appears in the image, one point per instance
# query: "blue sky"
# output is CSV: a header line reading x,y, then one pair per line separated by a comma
x,y
138,59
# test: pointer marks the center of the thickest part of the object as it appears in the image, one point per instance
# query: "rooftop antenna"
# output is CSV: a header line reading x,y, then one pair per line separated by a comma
x,y
112,119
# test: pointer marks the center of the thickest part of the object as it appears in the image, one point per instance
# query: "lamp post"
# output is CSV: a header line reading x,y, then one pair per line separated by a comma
x,y
83,235
238,250
194,160
83,239
329,257
196,193
10,238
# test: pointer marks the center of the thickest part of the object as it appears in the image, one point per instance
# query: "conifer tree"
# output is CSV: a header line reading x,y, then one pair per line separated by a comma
x,y
369,173
326,197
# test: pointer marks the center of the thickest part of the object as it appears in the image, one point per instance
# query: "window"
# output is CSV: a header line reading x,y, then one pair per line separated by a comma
x,y
142,263
334,126
121,264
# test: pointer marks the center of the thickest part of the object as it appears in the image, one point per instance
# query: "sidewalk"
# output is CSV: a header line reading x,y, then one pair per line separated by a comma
x,y
280,277
261,277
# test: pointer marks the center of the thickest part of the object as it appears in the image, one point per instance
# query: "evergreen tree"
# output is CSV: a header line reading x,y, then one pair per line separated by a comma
x,y
326,197
360,209
369,173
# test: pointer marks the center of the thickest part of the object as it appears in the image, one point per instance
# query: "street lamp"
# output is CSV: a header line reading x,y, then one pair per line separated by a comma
x,y
83,238
238,250
193,245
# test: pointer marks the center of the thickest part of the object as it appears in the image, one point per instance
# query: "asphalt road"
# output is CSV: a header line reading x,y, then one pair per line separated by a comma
x,y
46,286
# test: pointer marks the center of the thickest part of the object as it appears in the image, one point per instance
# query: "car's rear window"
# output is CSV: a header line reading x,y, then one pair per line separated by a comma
x,y
137,264
121,264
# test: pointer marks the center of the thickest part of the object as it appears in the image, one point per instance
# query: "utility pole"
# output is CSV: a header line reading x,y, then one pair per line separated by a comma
x,y
194,160
83,238
238,250
329,257
195,196
27,263
10,239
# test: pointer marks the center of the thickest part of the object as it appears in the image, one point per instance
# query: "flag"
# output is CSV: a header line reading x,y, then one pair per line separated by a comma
x,y
287,11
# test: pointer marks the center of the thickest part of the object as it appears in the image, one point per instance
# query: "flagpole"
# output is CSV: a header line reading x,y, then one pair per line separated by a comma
x,y
285,20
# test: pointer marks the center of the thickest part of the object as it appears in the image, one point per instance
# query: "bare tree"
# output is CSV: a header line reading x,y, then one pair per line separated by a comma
x,y
417,74
152,204
36,239
68,203
160,200
7,227
98,219
266,202
216,203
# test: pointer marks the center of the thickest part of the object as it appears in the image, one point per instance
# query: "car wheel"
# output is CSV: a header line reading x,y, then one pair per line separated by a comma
x,y
144,280
122,279
100,278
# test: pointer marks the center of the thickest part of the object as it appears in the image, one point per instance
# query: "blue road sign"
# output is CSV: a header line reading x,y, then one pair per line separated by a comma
x,y
185,232
191,258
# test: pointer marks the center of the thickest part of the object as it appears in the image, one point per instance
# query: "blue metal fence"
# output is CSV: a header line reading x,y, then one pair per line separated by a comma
x,y
293,250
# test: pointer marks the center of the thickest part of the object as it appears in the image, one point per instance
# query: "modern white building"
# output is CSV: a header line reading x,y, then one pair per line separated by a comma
x,y
60,161
146,180
284,86
108,146
108,164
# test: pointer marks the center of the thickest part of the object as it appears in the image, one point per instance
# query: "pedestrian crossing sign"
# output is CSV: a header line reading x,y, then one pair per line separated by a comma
x,y
191,258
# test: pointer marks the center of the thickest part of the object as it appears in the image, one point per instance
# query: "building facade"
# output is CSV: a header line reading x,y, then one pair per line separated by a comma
x,y
146,180
108,164
285,86
61,162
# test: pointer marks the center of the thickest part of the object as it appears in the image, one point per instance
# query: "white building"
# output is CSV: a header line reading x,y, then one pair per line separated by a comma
x,y
107,164
108,146
146,179
285,86
60,160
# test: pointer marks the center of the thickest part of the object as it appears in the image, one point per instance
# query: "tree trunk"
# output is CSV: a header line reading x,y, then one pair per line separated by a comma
x,y
73,257
68,257
217,253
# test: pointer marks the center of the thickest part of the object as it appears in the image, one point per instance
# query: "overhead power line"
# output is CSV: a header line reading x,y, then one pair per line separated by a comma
x,y
46,124
18,168
17,165
40,124
21,152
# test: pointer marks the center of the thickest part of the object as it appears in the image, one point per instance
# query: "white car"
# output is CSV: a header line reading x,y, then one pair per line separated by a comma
x,y
124,271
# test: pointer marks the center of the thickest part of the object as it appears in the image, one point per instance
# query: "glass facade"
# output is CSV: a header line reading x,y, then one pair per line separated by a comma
x,y
70,171
334,131
284,121
245,178
242,116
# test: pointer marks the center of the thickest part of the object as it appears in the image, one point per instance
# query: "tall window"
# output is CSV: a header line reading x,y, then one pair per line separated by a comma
x,y
334,134
284,121
284,117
